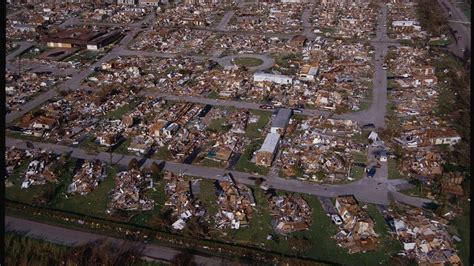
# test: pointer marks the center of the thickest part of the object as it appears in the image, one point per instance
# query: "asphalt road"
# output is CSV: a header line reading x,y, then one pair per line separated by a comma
x,y
307,25
463,30
268,62
24,45
70,237
225,20
367,189
378,106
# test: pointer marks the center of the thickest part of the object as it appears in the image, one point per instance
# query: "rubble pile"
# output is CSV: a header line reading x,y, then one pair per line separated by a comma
x,y
235,203
190,16
31,23
290,213
115,14
180,199
424,239
88,177
183,41
417,100
246,44
404,24
268,17
41,170
13,159
68,118
128,194
425,163
323,148
357,233
337,19
23,88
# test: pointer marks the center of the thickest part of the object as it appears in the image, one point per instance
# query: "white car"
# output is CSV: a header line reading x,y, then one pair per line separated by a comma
x,y
336,219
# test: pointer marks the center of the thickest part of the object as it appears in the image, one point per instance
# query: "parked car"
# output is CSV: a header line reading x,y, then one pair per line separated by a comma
x,y
371,171
369,126
266,106
336,219
297,111
384,66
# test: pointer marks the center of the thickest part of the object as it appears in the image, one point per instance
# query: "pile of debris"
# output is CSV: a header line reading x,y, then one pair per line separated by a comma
x,y
235,203
180,199
88,177
43,169
290,213
13,159
424,239
357,233
320,150
128,194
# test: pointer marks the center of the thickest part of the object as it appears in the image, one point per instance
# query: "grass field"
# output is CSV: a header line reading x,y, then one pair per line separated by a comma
x,y
162,153
393,172
119,112
245,165
252,130
247,61
94,203
28,195
319,234
219,125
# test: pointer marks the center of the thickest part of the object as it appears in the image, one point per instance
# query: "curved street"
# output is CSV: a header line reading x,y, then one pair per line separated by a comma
x,y
268,62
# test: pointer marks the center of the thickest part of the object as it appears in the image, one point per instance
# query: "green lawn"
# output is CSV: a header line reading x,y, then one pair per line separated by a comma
x,y
361,138
219,125
248,61
260,223
158,195
19,135
245,165
357,172
360,156
415,191
325,248
441,42
94,203
393,172
392,83
27,195
162,153
213,95
252,130
123,148
208,198
119,112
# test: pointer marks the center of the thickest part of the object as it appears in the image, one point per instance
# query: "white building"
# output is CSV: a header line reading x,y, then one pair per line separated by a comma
x,y
279,79
268,150
127,2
